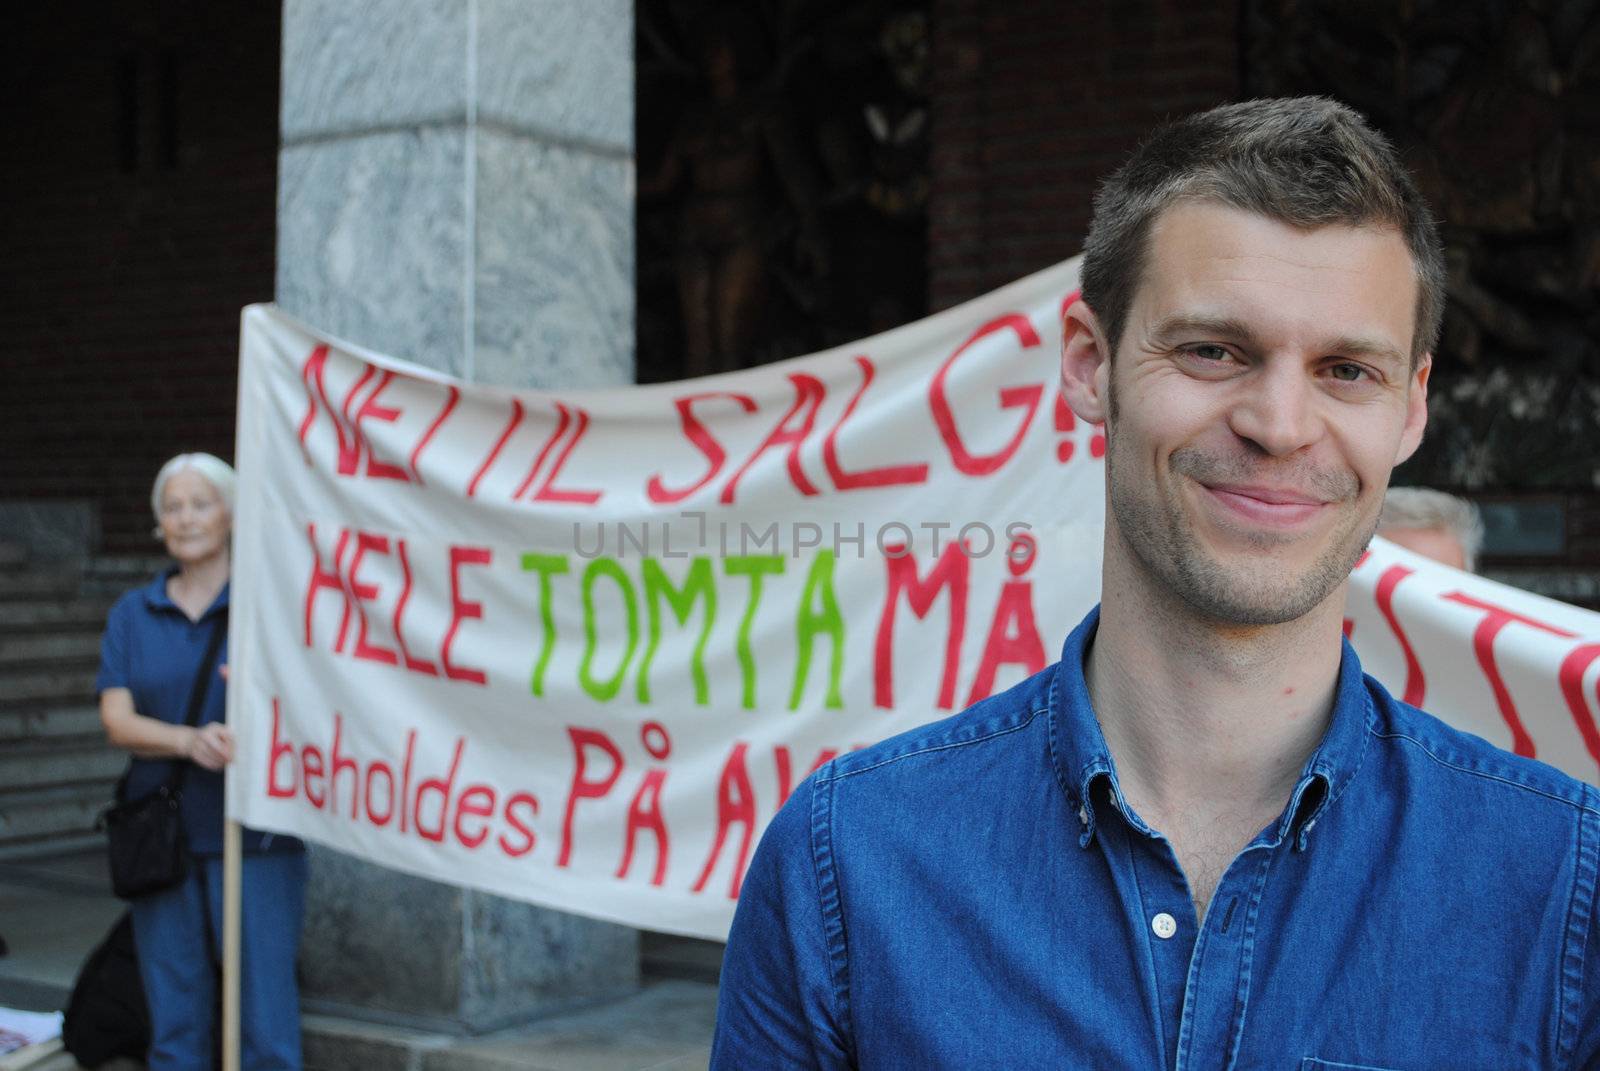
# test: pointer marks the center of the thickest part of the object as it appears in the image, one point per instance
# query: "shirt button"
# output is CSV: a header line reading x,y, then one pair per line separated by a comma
x,y
1164,925
1083,815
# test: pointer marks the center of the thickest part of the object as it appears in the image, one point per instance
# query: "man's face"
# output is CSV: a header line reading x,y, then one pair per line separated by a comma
x,y
1260,394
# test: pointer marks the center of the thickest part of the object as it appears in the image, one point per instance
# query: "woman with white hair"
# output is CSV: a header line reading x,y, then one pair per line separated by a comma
x,y
153,670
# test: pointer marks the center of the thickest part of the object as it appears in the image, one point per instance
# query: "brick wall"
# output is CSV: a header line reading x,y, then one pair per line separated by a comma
x,y
140,197
1034,101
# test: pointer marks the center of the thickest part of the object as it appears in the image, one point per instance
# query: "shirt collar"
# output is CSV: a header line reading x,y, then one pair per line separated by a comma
x,y
1080,756
156,597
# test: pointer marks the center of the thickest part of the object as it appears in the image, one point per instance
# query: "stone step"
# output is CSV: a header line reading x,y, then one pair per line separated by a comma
x,y
47,686
663,1026
12,555
50,1060
44,813
78,647
31,764
113,576
24,615
14,855
133,568
667,955
18,723
39,582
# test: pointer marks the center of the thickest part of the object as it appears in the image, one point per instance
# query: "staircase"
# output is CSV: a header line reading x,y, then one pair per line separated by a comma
x,y
56,769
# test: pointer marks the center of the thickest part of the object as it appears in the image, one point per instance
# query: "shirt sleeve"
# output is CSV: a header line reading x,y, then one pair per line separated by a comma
x,y
114,649
779,1006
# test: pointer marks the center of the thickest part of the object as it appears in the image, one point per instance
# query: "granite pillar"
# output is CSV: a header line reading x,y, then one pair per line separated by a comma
x,y
455,187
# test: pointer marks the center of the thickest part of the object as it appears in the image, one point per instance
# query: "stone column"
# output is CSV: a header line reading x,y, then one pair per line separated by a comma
x,y
455,187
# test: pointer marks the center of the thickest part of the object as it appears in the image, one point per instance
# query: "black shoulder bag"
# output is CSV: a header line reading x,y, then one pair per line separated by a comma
x,y
145,836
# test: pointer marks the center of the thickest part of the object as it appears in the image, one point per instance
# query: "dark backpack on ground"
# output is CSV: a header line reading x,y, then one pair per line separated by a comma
x,y
106,1016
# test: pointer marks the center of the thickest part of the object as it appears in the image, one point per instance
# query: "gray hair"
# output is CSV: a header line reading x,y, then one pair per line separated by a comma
x,y
1423,507
1305,161
217,472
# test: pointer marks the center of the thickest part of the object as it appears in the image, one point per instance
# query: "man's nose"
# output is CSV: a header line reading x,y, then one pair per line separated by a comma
x,y
1276,408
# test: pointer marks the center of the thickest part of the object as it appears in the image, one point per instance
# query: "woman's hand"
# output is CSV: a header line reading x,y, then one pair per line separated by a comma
x,y
211,746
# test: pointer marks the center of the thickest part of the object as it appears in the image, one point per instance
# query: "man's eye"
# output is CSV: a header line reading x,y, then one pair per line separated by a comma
x,y
1208,352
1348,373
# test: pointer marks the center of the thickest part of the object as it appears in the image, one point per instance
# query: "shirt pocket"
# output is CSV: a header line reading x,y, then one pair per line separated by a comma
x,y
1311,1063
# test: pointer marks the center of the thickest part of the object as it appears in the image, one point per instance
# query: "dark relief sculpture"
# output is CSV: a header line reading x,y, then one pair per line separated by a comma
x,y
1496,105
782,178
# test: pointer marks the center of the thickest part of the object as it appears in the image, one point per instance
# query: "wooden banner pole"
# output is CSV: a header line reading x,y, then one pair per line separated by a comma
x,y
232,861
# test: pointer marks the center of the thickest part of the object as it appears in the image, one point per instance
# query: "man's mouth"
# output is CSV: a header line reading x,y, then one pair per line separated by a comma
x,y
1278,507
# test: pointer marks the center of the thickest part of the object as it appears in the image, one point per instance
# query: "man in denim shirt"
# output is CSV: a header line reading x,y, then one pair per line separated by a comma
x,y
1203,839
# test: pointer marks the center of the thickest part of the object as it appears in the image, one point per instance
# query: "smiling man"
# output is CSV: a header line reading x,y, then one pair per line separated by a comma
x,y
1203,839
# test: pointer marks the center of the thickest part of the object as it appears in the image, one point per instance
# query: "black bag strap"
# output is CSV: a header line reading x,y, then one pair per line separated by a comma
x,y
197,694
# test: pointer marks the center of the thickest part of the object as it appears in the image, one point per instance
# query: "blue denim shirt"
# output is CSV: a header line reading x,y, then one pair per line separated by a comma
x,y
978,893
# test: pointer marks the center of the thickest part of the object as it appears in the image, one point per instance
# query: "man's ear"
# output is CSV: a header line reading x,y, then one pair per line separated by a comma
x,y
1416,409
1085,363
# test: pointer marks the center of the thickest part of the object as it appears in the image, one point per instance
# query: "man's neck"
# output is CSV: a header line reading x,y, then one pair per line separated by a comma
x,y
1204,719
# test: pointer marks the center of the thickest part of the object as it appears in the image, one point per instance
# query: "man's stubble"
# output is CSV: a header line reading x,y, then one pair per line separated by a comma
x,y
1255,591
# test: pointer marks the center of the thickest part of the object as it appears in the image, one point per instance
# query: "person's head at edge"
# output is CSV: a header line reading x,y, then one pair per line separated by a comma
x,y
1434,524
192,499
1262,289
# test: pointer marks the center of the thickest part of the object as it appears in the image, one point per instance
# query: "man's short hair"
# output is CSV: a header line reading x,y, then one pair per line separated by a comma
x,y
1305,161
1423,507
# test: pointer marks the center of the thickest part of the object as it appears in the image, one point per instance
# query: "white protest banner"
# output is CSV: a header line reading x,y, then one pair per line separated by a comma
x,y
577,647
1517,669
